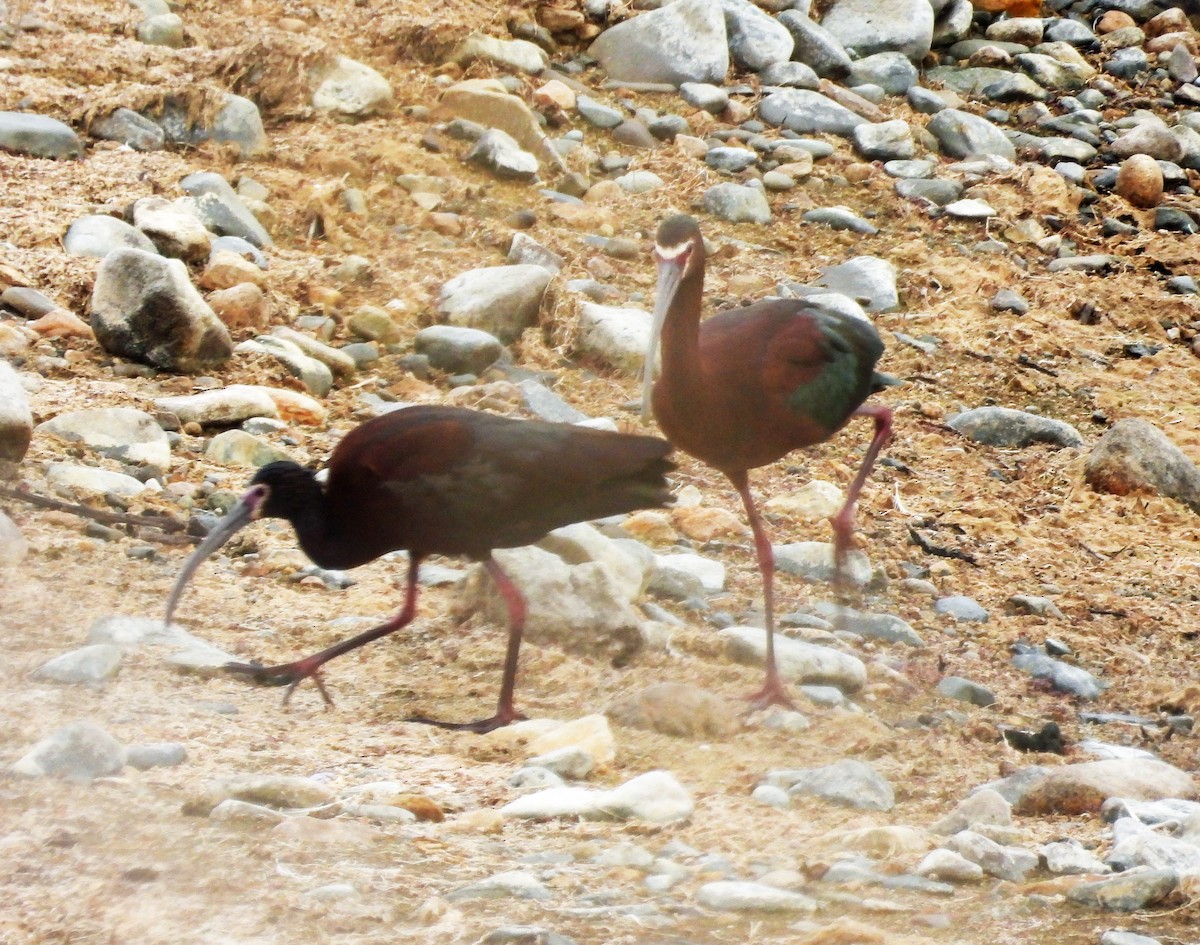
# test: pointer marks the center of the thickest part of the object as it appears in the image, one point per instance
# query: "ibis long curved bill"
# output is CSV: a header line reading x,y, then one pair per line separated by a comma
x,y
670,274
248,508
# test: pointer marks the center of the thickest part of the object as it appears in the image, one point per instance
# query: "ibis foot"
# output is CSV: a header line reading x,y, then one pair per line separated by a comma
x,y
479,727
773,692
285,674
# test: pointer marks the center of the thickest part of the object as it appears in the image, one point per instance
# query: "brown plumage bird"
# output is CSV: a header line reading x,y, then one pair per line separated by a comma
x,y
442,481
746,387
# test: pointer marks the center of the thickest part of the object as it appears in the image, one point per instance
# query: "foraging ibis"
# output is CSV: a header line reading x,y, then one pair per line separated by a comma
x,y
446,481
746,387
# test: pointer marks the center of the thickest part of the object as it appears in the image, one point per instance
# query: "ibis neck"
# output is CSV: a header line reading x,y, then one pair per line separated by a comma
x,y
680,345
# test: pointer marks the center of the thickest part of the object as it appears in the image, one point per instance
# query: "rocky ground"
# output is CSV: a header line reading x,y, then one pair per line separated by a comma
x,y
1054,276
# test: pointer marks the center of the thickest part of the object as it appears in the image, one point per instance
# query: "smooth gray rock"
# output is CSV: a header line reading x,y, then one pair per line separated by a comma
x,y
961,608
597,113
166,29
314,374
756,39
524,935
498,152
545,404
129,128
1050,73
1126,892
155,755
891,71
335,359
237,122
518,55
38,136
515,884
218,207
867,279
983,808
242,449
121,433
815,46
962,134
80,751
737,203
655,796
840,218
99,234
616,336
174,230
805,111
815,561
730,159
145,308
710,98
1071,858
639,182
525,250
964,690
741,896
87,666
685,41
790,74
1134,456
501,300
938,192
1062,676
351,89
1013,429
1003,862
798,661
873,626
849,783
885,141
457,350
867,26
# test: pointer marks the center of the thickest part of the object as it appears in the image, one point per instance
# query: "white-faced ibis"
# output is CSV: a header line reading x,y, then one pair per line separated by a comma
x,y
444,481
747,386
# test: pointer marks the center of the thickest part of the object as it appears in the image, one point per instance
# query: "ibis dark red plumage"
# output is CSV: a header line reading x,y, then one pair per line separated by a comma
x,y
747,386
443,481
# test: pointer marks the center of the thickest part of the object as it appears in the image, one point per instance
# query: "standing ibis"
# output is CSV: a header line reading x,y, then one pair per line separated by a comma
x,y
746,387
448,481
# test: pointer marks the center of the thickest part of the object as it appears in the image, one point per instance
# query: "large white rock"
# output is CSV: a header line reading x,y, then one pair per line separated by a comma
x,y
67,479
348,87
798,661
123,433
868,26
502,300
684,41
617,336
144,307
655,796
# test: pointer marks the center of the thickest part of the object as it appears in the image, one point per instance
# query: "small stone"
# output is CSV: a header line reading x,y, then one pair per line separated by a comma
x,y
961,608
1005,427
88,666
349,88
241,449
163,30
277,791
950,866
964,690
80,751
517,54
99,235
849,783
572,762
984,807
499,153
1130,891
736,203
502,300
157,755
678,709
458,350
734,896
1134,455
38,135
1140,181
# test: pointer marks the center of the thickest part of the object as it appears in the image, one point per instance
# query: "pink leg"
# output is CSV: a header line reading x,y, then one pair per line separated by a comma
x,y
843,521
506,711
774,691
292,674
